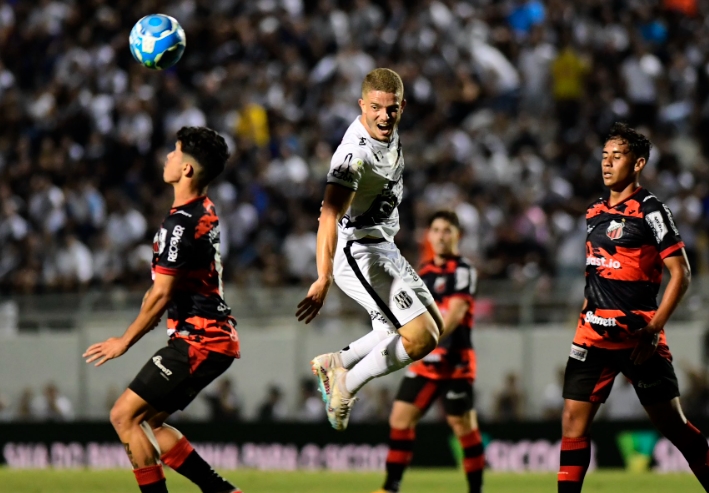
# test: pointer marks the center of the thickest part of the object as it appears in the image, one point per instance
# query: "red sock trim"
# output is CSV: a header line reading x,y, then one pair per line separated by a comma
x,y
471,439
474,464
571,473
399,457
149,475
405,434
575,443
176,456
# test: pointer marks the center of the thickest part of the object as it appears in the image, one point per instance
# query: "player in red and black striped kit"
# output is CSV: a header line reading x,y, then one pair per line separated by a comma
x,y
187,282
631,236
448,371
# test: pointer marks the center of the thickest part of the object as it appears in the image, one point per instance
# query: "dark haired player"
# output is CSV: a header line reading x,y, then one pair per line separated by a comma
x,y
203,340
448,371
631,236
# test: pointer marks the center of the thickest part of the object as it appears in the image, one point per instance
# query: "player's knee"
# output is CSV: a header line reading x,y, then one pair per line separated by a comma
x,y
461,425
122,416
119,416
573,424
402,421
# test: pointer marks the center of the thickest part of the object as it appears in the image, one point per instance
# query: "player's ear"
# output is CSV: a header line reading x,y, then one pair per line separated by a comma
x,y
188,169
403,105
640,164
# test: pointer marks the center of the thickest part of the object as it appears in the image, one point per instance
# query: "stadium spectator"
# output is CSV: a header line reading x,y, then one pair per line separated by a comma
x,y
50,405
623,402
509,401
225,404
273,408
553,403
311,408
498,125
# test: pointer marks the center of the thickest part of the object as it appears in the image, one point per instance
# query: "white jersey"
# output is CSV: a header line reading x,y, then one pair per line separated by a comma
x,y
375,171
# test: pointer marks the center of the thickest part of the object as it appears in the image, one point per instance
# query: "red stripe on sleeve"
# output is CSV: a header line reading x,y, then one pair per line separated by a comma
x,y
670,250
166,270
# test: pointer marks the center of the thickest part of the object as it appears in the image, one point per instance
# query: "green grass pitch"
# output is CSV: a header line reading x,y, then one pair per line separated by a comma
x,y
416,481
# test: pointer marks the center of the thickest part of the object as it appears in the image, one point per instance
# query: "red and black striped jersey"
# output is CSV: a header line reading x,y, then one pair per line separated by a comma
x,y
454,357
187,245
625,248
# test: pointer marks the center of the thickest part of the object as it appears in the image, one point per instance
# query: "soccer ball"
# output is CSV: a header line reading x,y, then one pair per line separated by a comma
x,y
157,41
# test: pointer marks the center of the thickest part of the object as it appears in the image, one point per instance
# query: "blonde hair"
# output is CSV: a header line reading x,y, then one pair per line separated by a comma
x,y
385,80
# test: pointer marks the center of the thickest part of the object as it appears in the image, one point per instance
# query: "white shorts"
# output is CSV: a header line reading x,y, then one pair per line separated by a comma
x,y
378,277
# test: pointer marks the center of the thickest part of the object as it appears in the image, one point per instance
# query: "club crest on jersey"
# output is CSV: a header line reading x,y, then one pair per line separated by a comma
x,y
439,284
615,230
403,300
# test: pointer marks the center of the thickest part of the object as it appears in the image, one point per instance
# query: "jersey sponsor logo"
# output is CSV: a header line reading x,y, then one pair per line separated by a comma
x,y
615,230
157,361
578,353
657,225
589,228
455,395
362,141
343,173
594,319
403,300
671,220
603,262
175,240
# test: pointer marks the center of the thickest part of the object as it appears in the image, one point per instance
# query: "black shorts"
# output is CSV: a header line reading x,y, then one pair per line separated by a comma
x,y
457,394
174,376
590,373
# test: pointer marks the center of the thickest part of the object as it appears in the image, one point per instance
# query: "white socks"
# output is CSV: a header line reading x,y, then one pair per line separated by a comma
x,y
360,348
386,357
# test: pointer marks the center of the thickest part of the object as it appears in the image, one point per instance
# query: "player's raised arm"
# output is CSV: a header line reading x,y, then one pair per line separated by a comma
x,y
154,304
337,200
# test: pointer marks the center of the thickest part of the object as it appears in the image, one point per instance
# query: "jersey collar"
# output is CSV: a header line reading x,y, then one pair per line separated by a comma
x,y
375,142
607,198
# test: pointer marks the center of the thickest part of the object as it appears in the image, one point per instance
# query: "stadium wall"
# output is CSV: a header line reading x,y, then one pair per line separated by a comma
x,y
279,351
515,447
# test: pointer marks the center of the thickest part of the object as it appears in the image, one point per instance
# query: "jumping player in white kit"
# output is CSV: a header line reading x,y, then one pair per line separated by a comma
x,y
364,189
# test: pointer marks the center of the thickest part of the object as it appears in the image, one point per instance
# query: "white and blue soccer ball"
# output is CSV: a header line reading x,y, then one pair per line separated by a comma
x,y
157,41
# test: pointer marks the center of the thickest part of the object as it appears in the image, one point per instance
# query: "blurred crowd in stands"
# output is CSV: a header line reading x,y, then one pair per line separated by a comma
x,y
508,105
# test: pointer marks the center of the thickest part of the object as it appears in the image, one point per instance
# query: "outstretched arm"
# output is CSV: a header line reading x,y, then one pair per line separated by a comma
x,y
154,304
337,200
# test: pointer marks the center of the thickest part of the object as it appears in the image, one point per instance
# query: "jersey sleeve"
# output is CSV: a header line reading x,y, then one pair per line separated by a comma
x,y
347,166
466,281
175,245
661,224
